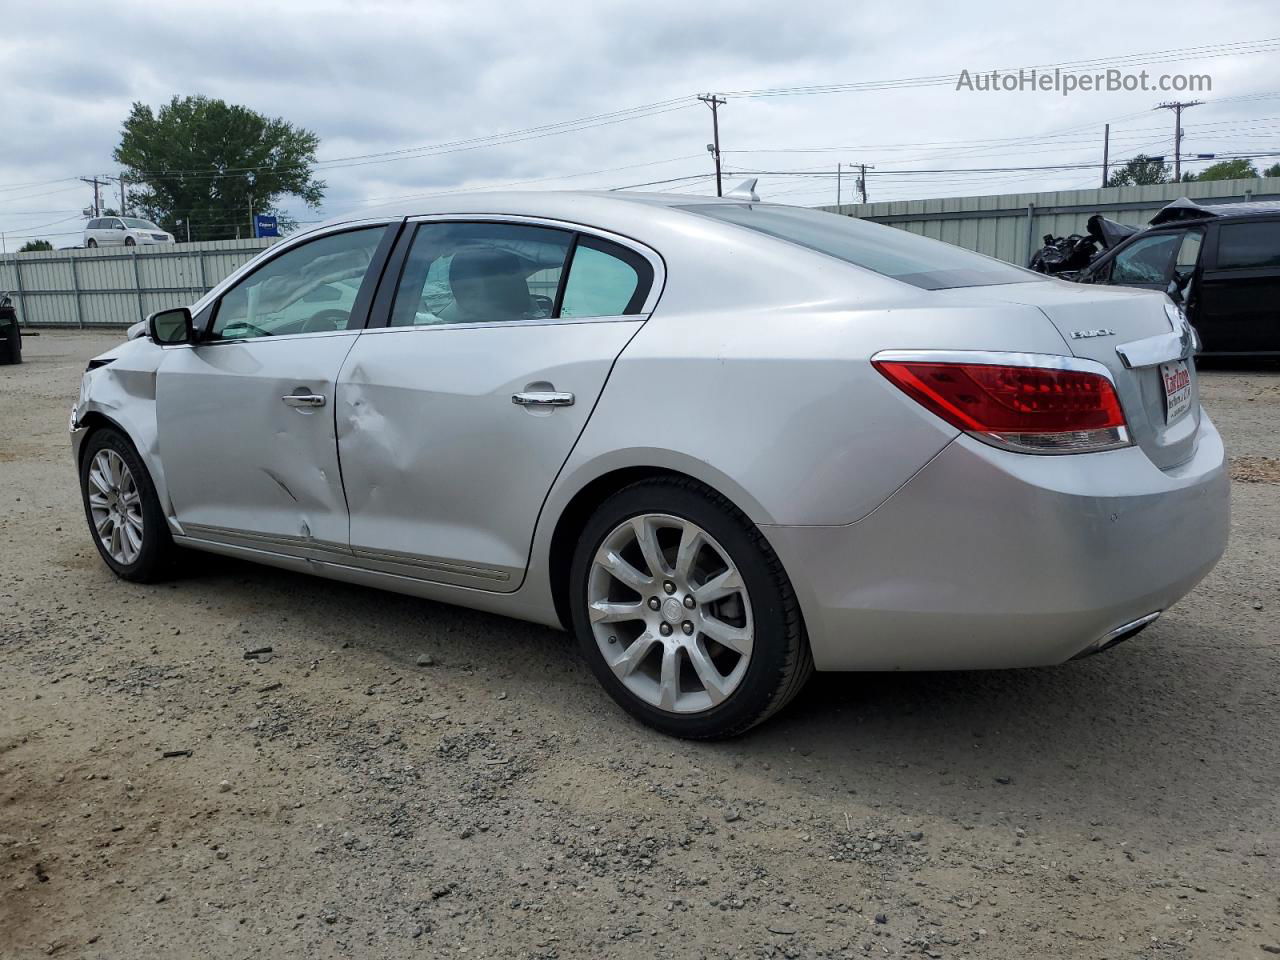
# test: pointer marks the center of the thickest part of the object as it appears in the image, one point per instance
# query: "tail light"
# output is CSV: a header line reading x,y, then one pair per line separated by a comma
x,y
1024,402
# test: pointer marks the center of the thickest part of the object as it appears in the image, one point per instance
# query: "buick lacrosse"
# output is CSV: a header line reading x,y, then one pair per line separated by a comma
x,y
724,442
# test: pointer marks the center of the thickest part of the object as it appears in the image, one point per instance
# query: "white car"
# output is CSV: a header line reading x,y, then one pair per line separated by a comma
x,y
123,231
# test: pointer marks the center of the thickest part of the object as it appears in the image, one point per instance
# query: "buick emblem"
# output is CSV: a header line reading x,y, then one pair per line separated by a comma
x,y
1090,334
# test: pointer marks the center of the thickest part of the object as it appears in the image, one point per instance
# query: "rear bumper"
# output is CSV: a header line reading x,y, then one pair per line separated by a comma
x,y
991,559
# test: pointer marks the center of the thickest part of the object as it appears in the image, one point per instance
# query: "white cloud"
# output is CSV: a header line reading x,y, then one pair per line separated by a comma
x,y
374,77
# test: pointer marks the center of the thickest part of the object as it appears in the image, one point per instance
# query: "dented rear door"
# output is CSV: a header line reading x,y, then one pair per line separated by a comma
x,y
445,475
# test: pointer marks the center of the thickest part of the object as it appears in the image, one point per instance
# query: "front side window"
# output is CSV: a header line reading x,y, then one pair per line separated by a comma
x,y
1147,259
480,273
1189,252
919,261
1245,245
309,289
605,280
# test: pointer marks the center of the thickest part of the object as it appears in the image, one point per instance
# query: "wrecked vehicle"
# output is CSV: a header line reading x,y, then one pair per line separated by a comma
x,y
724,442
1066,256
1220,262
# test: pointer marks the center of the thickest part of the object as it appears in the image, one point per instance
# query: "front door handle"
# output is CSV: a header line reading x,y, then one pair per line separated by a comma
x,y
543,398
303,399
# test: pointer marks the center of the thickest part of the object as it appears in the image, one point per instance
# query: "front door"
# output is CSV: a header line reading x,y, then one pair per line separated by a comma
x,y
455,417
246,415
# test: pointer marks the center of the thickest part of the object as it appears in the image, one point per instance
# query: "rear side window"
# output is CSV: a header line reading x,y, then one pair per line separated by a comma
x,y
605,280
480,273
1243,245
919,261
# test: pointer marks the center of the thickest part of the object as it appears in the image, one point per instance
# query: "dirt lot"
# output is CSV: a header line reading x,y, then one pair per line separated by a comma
x,y
342,800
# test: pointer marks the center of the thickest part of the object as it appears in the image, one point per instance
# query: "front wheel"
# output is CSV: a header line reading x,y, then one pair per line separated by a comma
x,y
92,243
684,612
130,242
124,513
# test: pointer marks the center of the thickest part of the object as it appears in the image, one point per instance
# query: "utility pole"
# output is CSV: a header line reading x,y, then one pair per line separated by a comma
x,y
124,210
1177,106
714,102
837,184
862,180
1106,151
97,197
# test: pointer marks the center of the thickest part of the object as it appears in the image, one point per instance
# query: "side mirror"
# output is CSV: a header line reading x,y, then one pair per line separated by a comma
x,y
171,326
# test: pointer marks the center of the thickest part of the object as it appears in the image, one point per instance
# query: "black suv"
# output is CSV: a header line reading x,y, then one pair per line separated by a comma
x,y
1222,262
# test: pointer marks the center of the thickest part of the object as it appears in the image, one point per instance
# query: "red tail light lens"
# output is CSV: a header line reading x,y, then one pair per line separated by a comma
x,y
1029,408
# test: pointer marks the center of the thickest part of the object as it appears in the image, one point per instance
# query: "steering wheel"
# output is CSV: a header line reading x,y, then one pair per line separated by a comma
x,y
325,320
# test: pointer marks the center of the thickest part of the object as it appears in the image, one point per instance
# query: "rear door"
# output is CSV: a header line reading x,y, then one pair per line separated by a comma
x,y
455,415
1237,308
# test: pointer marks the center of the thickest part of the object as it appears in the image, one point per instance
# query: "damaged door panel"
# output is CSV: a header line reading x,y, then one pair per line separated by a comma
x,y
244,464
451,436
245,414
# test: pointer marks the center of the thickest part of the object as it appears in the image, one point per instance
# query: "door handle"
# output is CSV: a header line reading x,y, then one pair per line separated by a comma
x,y
542,398
303,400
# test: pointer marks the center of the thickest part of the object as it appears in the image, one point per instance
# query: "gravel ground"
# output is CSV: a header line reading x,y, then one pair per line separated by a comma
x,y
400,778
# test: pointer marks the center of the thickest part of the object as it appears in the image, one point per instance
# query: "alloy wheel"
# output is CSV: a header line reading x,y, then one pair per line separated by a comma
x,y
670,613
115,504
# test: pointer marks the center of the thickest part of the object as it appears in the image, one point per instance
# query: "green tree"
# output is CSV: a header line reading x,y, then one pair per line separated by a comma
x,y
213,163
1140,170
1272,171
1239,169
31,246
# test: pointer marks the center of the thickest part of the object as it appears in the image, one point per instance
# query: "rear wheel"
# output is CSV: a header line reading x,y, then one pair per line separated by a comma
x,y
130,242
685,613
92,243
124,514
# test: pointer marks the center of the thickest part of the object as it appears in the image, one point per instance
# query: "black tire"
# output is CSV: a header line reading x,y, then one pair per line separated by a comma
x,y
155,560
781,661
92,243
130,242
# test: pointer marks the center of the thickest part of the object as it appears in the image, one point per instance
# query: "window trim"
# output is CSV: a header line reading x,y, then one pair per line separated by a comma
x,y
380,315
360,308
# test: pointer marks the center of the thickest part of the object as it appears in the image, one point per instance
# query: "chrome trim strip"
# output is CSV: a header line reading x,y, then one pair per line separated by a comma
x,y
1048,361
1153,351
498,324
341,551
430,563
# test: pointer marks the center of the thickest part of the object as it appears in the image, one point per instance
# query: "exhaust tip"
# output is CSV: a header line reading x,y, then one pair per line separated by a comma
x,y
1119,635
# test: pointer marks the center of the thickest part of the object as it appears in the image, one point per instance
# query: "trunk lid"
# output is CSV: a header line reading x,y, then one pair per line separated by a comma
x,y
1094,321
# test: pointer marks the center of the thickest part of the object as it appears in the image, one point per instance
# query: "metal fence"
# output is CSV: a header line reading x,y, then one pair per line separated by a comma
x,y
1011,226
104,287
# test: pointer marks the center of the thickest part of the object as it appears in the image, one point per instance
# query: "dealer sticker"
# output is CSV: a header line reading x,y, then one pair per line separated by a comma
x,y
1177,390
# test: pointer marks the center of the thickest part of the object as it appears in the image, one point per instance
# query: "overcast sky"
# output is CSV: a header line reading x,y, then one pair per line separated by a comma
x,y
376,77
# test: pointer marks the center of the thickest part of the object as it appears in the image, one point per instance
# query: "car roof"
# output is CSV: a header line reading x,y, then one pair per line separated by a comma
x,y
1184,209
597,207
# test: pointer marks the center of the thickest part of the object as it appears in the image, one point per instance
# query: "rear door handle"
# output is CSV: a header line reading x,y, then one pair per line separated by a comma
x,y
543,398
303,400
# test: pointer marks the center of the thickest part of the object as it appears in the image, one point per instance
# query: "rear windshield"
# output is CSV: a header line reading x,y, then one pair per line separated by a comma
x,y
919,261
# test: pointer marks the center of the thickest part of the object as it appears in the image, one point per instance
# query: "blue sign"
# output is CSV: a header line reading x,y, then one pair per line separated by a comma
x,y
264,226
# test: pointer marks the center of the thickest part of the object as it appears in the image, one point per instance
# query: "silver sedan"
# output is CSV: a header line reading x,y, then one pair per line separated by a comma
x,y
724,442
